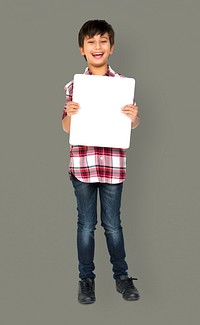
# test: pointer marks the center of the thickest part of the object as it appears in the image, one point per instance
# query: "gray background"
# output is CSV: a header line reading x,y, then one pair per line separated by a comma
x,y
157,42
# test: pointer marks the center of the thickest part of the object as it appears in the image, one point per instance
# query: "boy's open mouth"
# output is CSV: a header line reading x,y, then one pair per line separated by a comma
x,y
98,55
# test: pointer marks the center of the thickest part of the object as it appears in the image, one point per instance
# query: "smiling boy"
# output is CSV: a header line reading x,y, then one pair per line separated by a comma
x,y
106,176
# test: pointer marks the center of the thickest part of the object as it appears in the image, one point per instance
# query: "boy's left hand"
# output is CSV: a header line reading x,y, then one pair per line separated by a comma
x,y
131,111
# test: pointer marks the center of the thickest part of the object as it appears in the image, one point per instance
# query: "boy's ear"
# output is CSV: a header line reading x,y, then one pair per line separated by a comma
x,y
82,51
112,49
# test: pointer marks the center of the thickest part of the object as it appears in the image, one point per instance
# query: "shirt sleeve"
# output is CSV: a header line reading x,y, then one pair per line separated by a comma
x,y
68,89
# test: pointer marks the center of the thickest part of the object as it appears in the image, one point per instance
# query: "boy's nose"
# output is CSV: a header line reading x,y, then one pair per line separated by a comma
x,y
97,45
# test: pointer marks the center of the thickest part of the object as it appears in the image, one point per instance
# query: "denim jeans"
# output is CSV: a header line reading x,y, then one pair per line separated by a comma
x,y
110,203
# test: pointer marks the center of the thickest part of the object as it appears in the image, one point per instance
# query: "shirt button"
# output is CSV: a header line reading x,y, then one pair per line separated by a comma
x,y
101,158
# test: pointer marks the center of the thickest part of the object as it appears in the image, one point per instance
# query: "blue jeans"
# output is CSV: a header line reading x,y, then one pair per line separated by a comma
x,y
110,201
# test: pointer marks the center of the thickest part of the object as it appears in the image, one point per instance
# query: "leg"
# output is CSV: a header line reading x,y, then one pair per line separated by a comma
x,y
110,197
86,196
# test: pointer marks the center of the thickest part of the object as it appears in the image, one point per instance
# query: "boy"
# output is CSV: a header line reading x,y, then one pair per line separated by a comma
x,y
96,43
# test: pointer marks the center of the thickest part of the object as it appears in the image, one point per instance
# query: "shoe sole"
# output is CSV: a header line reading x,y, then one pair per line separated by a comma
x,y
132,299
128,299
86,302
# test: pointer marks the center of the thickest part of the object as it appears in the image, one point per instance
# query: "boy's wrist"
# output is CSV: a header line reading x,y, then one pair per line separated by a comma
x,y
136,123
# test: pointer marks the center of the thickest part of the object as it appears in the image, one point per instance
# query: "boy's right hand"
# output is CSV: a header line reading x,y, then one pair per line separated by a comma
x,y
72,108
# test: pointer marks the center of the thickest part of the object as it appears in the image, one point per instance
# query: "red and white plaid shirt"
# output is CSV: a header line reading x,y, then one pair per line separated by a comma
x,y
96,164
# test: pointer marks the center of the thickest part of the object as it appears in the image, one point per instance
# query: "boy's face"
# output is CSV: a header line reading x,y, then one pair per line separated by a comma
x,y
97,50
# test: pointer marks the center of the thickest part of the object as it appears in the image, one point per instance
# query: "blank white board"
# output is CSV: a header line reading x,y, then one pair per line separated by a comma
x,y
100,121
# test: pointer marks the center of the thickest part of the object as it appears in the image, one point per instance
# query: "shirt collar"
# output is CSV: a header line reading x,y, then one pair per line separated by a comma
x,y
110,72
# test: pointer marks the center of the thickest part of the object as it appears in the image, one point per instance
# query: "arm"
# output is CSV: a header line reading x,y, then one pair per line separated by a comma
x,y
132,112
71,108
66,122
135,124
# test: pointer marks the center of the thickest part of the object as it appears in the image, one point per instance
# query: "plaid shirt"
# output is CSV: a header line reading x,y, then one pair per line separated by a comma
x,y
96,164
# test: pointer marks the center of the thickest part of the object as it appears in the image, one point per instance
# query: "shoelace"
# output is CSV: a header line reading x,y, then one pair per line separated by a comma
x,y
86,286
129,282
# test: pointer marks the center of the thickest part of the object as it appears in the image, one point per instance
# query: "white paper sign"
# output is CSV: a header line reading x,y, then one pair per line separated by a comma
x,y
100,121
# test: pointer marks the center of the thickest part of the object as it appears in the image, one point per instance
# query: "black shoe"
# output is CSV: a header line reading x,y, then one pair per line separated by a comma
x,y
125,285
86,292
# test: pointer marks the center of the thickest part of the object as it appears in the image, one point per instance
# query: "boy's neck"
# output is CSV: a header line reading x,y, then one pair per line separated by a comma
x,y
101,71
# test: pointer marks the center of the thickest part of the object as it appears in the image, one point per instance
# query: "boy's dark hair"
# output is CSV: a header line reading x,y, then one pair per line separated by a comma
x,y
95,27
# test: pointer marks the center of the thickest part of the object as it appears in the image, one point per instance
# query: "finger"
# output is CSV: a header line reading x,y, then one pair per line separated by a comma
x,y
125,108
73,111
72,105
128,106
130,110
